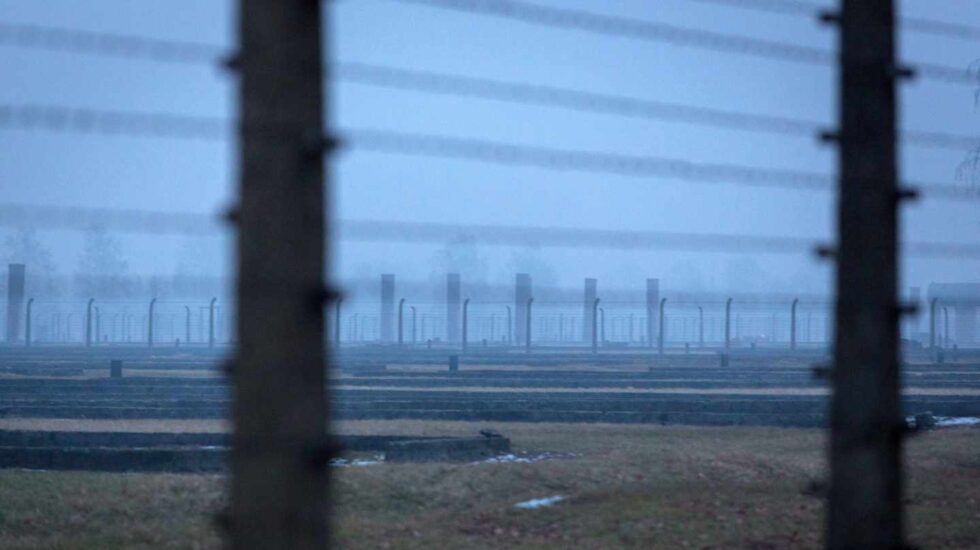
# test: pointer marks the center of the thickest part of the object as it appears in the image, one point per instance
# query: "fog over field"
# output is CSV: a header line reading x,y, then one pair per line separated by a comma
x,y
489,274
198,176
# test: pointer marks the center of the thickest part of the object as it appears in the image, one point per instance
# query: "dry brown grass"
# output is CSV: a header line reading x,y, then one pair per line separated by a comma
x,y
628,486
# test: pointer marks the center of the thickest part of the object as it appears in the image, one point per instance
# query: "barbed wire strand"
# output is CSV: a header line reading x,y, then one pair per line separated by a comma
x,y
577,100
176,51
165,50
624,165
163,125
16,215
126,46
624,27
807,9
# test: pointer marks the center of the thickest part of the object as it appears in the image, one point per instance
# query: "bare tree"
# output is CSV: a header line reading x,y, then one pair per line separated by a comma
x,y
101,267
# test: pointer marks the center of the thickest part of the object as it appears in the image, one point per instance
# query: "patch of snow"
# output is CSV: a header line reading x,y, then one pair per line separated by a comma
x,y
948,421
524,458
343,462
536,503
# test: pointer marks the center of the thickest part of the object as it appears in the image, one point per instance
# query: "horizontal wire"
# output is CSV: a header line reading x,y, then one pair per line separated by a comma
x,y
610,25
597,23
177,51
428,145
566,98
785,7
113,122
808,9
126,46
576,100
163,125
166,50
19,215
185,223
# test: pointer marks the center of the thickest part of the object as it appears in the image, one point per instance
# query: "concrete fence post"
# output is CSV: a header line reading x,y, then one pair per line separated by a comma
x,y
932,324
589,314
27,323
510,326
88,322
149,323
466,320
187,324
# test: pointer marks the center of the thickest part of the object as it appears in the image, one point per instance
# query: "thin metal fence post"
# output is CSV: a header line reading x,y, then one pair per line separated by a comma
x,y
149,323
88,322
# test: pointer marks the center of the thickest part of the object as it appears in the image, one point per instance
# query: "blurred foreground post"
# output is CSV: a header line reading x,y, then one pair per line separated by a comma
x,y
280,452
865,509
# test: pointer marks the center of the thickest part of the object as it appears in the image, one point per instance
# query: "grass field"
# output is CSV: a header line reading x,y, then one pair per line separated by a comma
x,y
626,486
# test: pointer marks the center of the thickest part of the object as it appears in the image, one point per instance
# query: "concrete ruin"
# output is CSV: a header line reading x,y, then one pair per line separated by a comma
x,y
963,301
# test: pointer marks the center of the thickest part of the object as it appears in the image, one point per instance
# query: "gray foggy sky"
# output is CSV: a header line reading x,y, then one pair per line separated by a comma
x,y
71,169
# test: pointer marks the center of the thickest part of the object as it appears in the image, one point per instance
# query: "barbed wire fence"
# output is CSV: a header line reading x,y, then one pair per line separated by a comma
x,y
289,509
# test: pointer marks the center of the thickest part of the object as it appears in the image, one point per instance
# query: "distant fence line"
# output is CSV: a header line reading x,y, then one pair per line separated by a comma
x,y
762,323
